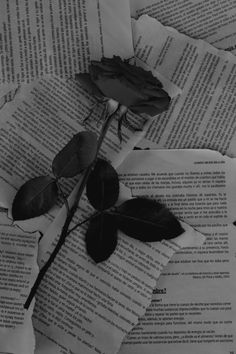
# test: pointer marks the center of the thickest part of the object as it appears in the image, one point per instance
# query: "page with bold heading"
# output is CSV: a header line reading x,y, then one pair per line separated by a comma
x,y
89,308
193,309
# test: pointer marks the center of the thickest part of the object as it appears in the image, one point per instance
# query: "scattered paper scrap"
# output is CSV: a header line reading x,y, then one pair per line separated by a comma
x,y
212,21
18,268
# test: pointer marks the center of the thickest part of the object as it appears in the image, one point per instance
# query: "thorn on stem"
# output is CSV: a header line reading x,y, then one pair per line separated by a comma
x,y
90,112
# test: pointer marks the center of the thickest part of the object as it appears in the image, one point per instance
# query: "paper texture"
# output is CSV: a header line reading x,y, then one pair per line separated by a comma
x,y
204,115
211,20
85,308
34,127
54,37
46,113
193,308
18,271
38,123
6,91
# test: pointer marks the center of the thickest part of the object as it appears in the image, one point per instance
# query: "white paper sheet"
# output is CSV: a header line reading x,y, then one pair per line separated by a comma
x,y
54,37
46,113
86,308
42,38
193,308
211,20
204,115
18,271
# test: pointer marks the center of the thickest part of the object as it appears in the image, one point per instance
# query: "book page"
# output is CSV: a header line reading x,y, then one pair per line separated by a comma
x,y
18,269
54,37
211,20
43,117
203,116
193,309
38,123
83,307
45,114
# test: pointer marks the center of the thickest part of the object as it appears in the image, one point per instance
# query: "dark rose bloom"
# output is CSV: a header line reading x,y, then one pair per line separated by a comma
x,y
130,85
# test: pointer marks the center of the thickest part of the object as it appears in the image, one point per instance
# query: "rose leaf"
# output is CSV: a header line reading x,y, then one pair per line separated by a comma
x,y
34,198
147,220
101,237
103,185
76,155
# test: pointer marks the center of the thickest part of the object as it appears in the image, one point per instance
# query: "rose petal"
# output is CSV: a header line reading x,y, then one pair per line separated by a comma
x,y
133,73
159,101
152,109
155,93
88,84
139,73
103,66
120,90
130,85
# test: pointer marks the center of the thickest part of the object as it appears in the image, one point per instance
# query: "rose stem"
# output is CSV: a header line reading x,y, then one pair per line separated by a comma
x,y
113,108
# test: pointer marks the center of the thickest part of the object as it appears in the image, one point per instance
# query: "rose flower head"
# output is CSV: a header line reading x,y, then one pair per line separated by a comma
x,y
130,86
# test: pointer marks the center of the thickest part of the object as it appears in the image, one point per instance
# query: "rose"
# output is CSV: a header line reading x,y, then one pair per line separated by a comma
x,y
120,86
131,86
